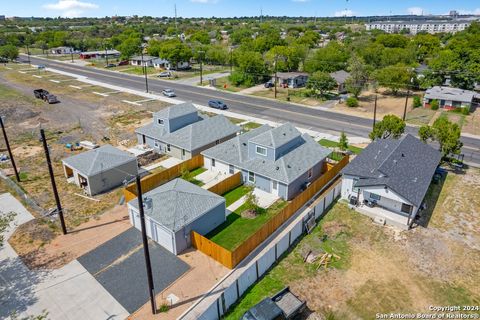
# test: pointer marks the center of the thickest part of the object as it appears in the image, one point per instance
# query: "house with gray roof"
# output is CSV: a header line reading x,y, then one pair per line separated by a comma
x,y
101,169
451,98
176,208
281,160
388,181
291,79
340,77
181,132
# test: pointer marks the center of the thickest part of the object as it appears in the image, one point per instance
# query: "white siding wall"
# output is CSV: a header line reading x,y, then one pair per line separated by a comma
x,y
220,167
347,186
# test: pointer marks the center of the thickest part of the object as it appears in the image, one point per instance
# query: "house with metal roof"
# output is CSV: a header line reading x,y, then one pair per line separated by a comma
x,y
280,161
144,60
388,181
101,169
181,132
176,208
451,98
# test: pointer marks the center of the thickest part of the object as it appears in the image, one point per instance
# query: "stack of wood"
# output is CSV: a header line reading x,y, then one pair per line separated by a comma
x,y
326,259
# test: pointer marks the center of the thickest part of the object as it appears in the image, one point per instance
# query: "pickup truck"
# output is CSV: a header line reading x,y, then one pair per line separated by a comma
x,y
45,96
284,305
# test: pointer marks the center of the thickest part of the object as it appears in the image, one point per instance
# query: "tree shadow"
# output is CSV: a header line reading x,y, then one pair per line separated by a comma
x,y
17,289
431,199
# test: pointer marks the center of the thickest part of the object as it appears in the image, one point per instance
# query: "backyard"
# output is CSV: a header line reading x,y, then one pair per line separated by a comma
x,y
337,156
437,265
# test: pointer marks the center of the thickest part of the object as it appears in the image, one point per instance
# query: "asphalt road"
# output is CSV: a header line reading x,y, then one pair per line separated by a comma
x,y
305,117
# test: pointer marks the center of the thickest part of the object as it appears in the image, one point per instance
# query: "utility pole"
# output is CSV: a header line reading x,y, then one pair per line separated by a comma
x,y
406,103
176,28
9,150
28,54
54,185
374,113
201,66
106,54
144,68
275,81
71,55
145,245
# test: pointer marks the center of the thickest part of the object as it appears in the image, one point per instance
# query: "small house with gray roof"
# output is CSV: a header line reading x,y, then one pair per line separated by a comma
x,y
388,181
181,132
451,98
176,208
281,160
340,77
101,169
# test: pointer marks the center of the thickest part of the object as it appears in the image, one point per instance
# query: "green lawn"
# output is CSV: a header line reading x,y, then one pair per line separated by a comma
x,y
332,144
236,229
235,194
197,171
250,126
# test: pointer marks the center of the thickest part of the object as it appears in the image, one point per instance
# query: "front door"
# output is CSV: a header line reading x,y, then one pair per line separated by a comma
x,y
275,187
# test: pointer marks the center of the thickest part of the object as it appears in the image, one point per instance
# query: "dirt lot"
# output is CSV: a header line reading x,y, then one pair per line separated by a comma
x,y
381,270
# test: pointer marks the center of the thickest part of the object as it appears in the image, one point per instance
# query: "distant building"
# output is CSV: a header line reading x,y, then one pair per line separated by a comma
x,y
99,54
62,50
414,27
146,61
291,79
341,79
451,98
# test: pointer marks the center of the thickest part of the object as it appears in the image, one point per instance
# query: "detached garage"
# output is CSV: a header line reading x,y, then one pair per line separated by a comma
x,y
175,209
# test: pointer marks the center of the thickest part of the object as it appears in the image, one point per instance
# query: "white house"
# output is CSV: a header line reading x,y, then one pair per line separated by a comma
x,y
390,178
451,98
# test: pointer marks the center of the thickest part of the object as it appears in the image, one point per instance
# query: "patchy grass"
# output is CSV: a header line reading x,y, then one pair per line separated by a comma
x,y
332,144
235,194
224,84
10,94
454,117
250,126
235,120
237,229
420,116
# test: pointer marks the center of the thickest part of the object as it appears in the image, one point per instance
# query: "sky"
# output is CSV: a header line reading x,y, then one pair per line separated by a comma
x,y
231,8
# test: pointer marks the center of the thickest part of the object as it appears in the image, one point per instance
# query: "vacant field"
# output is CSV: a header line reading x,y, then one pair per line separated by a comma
x,y
381,270
420,116
293,95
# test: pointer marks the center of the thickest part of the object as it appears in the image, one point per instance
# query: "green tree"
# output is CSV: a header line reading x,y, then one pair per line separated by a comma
x,y
130,47
394,77
251,200
417,101
9,52
446,133
329,59
390,127
320,82
352,102
343,142
251,68
200,36
358,75
392,40
434,105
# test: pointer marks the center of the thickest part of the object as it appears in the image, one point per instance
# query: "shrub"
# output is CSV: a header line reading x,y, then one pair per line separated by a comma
x,y
417,102
352,102
434,105
465,110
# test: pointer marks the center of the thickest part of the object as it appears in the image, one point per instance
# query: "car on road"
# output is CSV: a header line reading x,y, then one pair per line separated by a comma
x,y
268,84
165,74
217,104
110,65
45,96
169,93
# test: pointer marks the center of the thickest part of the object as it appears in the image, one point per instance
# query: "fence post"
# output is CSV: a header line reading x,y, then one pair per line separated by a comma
x,y
256,267
276,257
238,290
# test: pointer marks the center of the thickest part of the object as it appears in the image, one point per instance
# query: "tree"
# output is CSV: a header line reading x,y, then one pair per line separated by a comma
x,y
175,51
343,142
352,102
251,68
320,82
417,101
329,59
446,133
251,201
9,52
358,75
200,36
391,126
434,105
394,77
130,47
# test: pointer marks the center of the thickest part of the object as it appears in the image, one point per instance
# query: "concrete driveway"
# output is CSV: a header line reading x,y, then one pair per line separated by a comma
x,y
119,266
66,293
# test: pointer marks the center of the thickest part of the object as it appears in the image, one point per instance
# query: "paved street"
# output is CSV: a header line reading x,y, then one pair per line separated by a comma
x,y
316,119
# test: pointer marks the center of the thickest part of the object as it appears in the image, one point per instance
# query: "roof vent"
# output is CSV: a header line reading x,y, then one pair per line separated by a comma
x,y
284,134
288,166
244,144
403,155
277,168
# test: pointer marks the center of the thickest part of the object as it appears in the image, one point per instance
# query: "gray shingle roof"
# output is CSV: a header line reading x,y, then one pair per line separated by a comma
x,y
447,93
286,169
201,133
177,203
277,137
176,111
92,162
340,76
145,58
405,165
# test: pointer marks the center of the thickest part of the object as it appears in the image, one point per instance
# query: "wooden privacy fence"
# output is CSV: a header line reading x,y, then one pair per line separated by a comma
x,y
232,258
227,184
154,180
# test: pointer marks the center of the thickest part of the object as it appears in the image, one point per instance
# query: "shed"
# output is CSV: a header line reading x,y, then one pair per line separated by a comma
x,y
176,208
100,169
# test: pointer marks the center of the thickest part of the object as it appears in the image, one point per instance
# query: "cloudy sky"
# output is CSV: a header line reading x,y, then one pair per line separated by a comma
x,y
229,8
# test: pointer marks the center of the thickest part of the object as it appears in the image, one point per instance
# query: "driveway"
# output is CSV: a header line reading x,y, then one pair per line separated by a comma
x,y
119,266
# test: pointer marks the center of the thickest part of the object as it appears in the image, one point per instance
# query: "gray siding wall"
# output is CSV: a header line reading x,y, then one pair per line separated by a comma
x,y
202,225
149,141
176,152
165,124
295,187
180,122
282,190
253,154
280,151
261,182
113,178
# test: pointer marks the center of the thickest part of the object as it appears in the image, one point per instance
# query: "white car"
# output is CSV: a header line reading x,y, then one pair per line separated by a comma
x,y
169,93
165,74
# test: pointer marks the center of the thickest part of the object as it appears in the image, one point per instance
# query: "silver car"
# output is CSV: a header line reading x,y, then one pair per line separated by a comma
x,y
169,93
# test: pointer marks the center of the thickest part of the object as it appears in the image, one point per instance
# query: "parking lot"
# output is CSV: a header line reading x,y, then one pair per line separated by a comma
x,y
119,266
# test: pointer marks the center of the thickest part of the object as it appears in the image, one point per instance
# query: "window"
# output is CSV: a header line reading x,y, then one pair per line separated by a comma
x,y
310,173
355,189
168,148
156,144
231,169
274,185
160,121
213,162
183,152
251,176
406,208
261,150
375,196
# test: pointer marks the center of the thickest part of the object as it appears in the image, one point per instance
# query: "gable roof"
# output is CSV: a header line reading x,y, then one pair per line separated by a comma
x,y
177,203
176,111
145,58
277,137
340,76
104,158
201,133
285,169
405,165
447,93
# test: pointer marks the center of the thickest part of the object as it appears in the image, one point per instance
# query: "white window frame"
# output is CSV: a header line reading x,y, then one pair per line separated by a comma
x,y
156,144
213,162
275,185
375,197
251,176
260,153
183,152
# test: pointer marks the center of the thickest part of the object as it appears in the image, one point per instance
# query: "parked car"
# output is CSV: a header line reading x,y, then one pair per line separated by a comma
x,y
217,104
165,74
284,305
268,84
169,93
110,65
124,63
45,96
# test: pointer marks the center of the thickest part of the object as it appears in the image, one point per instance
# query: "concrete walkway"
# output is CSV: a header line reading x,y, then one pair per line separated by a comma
x,y
237,204
265,199
66,293
211,178
170,162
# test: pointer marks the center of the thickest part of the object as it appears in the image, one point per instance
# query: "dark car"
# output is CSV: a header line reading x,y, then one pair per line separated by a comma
x,y
268,84
124,63
217,104
110,65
